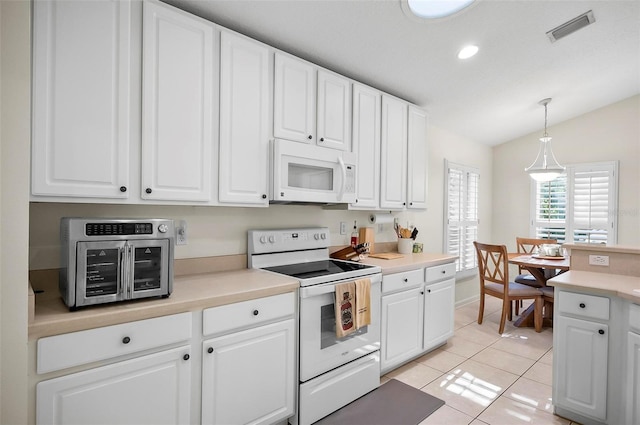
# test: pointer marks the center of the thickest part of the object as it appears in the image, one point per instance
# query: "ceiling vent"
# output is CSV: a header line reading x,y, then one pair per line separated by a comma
x,y
571,26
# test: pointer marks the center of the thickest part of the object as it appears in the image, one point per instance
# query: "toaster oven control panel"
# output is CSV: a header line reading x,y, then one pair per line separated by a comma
x,y
103,229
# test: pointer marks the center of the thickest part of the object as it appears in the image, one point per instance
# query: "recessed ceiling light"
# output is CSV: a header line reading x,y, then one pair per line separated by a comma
x,y
467,51
433,9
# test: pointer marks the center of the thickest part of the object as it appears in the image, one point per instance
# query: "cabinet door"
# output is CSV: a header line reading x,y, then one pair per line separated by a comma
x,y
366,144
248,376
177,105
294,99
439,301
417,159
81,98
393,171
402,319
633,377
580,372
153,389
334,111
244,120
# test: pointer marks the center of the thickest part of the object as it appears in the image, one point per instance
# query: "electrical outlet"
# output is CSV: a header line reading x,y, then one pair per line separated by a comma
x,y
181,233
343,227
599,260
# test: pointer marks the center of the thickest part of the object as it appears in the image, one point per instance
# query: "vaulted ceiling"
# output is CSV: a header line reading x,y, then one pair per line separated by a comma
x,y
491,98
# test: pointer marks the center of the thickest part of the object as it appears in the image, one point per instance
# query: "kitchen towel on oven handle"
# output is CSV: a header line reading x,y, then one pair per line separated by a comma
x,y
363,302
345,308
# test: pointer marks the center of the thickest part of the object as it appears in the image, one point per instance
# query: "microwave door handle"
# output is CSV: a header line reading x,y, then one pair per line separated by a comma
x,y
343,168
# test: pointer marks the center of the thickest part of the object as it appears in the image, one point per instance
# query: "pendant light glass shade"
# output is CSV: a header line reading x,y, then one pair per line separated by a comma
x,y
545,167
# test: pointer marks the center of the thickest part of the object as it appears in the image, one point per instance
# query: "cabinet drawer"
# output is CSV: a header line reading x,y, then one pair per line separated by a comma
x,y
398,281
247,313
437,273
78,348
634,317
590,306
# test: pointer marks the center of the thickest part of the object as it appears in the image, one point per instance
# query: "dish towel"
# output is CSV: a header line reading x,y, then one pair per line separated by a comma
x,y
345,308
363,302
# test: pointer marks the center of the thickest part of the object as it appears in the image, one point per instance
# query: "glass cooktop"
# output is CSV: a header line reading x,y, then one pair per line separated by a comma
x,y
318,268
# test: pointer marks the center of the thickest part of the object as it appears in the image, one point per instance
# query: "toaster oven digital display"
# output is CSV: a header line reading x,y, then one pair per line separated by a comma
x,y
102,229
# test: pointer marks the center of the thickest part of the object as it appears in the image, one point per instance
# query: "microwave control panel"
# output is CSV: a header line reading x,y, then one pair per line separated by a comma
x,y
350,181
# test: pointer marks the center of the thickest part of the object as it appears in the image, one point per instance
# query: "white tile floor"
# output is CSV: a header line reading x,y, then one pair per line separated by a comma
x,y
485,377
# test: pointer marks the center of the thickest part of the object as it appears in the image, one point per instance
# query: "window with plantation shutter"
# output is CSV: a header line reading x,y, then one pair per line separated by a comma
x,y
461,214
579,207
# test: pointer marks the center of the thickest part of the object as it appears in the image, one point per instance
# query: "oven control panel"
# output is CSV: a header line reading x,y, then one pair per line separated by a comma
x,y
282,240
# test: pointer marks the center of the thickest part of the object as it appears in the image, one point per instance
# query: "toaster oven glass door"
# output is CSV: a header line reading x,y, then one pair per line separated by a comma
x,y
109,271
150,268
99,272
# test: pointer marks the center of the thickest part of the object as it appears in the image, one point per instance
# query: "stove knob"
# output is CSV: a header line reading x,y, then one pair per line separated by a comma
x,y
163,228
263,239
316,236
272,239
323,236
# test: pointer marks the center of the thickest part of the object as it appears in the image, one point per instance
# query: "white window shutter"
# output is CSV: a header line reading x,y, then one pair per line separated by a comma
x,y
461,214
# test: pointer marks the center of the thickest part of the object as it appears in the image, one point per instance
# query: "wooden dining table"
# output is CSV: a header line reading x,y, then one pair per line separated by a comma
x,y
542,269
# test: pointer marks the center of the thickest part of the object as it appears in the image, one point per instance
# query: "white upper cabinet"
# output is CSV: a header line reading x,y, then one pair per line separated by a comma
x,y
334,111
81,98
179,78
417,159
245,91
393,163
366,144
311,105
294,103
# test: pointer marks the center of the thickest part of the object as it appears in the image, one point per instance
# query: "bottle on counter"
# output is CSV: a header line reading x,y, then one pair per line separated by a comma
x,y
354,235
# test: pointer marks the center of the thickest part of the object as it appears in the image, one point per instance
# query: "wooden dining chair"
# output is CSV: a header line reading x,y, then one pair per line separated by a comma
x,y
494,281
528,246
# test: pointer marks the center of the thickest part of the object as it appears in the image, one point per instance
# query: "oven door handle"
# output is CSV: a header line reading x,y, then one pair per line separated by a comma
x,y
330,288
314,291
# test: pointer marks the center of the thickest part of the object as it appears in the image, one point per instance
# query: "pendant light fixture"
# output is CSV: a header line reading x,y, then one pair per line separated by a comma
x,y
545,167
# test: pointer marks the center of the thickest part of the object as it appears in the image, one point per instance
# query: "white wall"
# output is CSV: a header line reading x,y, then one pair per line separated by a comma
x,y
609,133
15,56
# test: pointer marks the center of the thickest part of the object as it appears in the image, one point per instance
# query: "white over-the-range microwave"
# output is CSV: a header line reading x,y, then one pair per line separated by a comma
x,y
305,173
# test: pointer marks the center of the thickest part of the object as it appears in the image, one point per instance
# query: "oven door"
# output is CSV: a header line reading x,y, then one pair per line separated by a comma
x,y
99,272
109,271
320,349
150,268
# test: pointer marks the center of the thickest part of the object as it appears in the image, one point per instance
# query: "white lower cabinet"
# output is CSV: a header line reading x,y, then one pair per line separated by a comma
x,y
581,381
439,302
249,361
581,341
152,389
417,313
248,376
633,384
633,366
402,327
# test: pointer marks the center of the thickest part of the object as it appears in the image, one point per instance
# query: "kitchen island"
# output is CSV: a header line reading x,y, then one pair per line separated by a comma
x,y
596,368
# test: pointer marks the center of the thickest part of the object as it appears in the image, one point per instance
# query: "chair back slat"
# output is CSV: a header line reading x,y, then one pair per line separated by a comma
x,y
528,245
492,263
